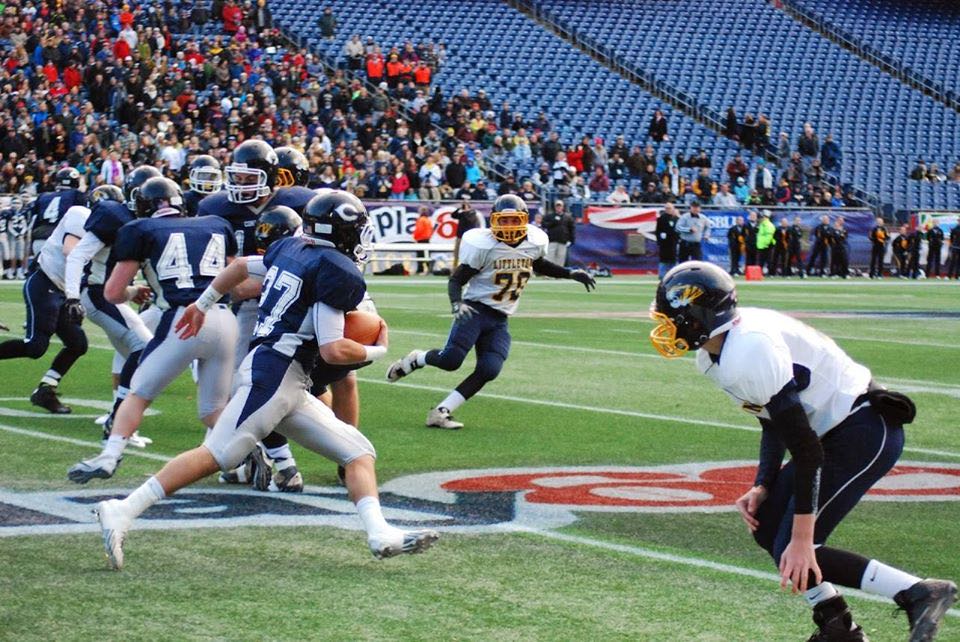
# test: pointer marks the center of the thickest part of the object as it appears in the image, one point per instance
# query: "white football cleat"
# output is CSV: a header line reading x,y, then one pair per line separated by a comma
x,y
441,418
398,542
139,441
402,367
102,419
114,524
100,467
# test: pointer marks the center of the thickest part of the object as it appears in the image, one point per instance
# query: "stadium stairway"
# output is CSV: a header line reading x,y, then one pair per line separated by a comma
x,y
740,59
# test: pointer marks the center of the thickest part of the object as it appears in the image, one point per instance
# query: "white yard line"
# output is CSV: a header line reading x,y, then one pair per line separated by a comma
x,y
137,452
685,560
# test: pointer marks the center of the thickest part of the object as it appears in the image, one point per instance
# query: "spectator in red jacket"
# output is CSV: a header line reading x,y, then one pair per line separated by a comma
x,y
375,67
599,182
72,76
575,158
394,69
737,169
232,17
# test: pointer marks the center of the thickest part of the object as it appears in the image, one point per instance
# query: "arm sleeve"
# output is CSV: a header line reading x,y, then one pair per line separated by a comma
x,y
255,267
546,268
327,322
458,279
772,451
788,421
78,258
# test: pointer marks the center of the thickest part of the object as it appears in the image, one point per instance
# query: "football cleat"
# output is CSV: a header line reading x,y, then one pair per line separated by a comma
x,y
46,397
401,542
835,623
441,418
102,466
114,524
402,367
254,465
103,419
926,602
139,441
287,479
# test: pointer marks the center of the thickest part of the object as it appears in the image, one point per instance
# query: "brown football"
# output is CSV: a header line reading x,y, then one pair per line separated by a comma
x,y
362,327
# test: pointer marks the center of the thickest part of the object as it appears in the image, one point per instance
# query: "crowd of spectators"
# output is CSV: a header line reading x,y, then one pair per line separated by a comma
x,y
933,174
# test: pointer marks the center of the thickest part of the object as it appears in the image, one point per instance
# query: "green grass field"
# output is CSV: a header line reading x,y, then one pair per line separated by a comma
x,y
582,388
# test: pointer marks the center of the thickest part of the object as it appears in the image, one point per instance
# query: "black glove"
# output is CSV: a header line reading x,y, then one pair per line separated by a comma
x,y
75,311
582,276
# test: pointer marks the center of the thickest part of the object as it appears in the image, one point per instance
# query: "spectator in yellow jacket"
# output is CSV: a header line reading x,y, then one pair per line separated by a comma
x,y
765,232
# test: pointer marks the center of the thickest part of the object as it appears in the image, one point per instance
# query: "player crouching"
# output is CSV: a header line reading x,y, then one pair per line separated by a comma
x,y
495,266
308,283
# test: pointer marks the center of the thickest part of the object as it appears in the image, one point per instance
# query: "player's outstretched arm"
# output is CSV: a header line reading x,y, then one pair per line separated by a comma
x,y
546,268
191,321
338,350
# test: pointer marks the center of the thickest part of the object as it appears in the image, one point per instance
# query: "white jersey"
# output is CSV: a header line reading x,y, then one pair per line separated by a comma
x,y
764,350
504,269
52,261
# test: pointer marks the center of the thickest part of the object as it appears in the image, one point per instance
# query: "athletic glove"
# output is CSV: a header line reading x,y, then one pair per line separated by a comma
x,y
75,311
582,276
463,311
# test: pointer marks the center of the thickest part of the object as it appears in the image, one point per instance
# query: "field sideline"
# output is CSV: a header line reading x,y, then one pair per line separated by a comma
x,y
583,402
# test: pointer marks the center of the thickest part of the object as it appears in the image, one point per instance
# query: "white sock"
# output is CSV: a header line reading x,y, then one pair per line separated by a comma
x,y
280,452
115,446
884,580
453,401
372,517
422,359
820,593
121,392
144,497
283,464
52,378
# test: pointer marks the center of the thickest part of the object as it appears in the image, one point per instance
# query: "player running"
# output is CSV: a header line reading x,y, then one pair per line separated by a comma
x,y
843,432
125,330
495,265
50,207
47,313
180,257
308,283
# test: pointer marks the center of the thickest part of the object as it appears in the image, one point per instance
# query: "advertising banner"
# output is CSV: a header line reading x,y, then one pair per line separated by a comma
x,y
604,235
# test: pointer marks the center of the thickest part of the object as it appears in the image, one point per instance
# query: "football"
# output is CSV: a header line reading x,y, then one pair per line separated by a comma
x,y
362,327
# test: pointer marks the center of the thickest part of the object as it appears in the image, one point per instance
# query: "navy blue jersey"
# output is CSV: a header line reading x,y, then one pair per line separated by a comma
x,y
180,256
191,202
243,217
49,208
299,275
105,220
17,224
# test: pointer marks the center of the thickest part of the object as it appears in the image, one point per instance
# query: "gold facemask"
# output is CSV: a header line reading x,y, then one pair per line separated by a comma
x,y
284,178
664,337
509,233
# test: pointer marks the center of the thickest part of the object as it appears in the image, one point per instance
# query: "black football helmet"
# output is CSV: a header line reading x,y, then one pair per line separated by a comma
x,y
275,223
252,172
204,175
509,218
158,193
695,301
134,180
293,168
105,193
339,219
67,178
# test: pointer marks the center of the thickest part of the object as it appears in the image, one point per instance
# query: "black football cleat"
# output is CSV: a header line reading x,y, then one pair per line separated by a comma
x,y
835,623
46,397
926,602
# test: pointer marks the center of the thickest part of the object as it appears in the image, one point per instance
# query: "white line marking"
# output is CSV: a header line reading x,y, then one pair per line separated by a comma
x,y
695,562
79,442
615,411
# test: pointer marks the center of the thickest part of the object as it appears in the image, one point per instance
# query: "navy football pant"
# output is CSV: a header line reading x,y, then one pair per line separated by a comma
x,y
46,317
857,454
487,332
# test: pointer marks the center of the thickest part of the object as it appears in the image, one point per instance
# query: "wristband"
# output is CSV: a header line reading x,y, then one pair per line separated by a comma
x,y
209,297
375,352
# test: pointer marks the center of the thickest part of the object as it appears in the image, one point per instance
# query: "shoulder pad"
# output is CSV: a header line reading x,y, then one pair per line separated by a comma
x,y
339,283
537,236
480,238
295,197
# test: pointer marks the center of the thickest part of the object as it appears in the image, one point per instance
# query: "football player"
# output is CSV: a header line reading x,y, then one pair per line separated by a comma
x,y
253,181
17,228
308,283
47,313
125,329
203,177
180,257
50,207
495,265
843,432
